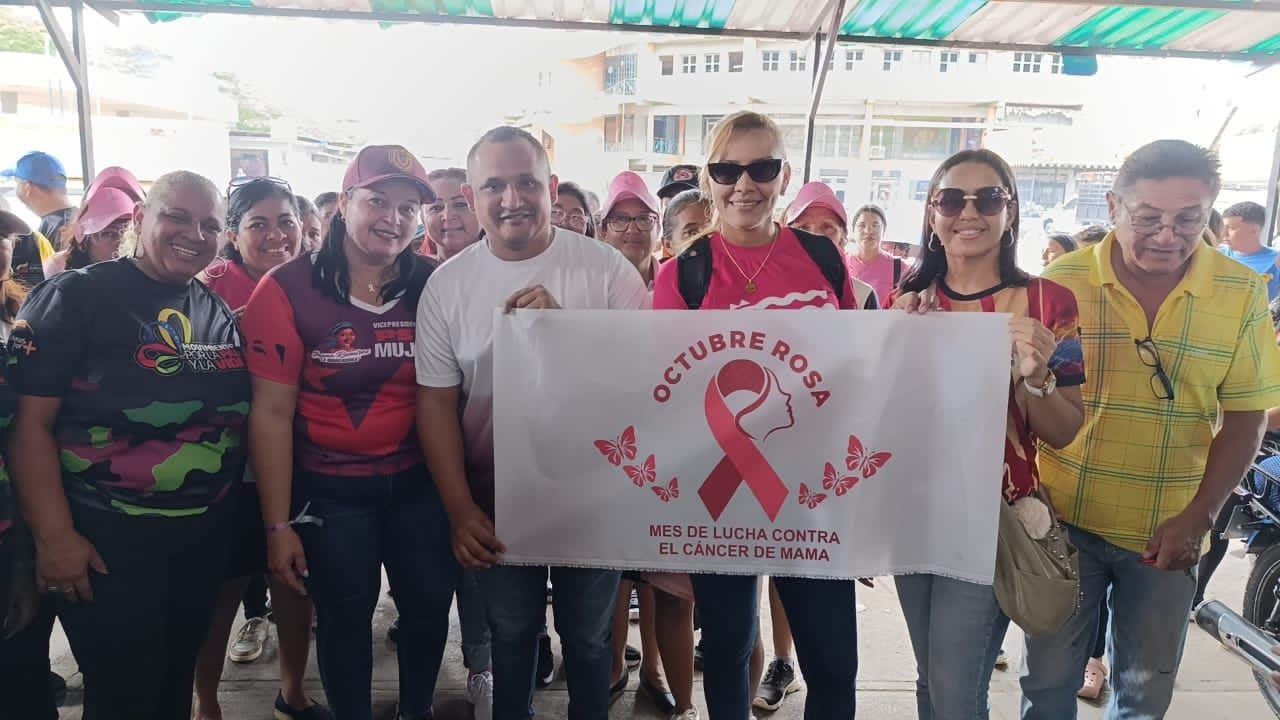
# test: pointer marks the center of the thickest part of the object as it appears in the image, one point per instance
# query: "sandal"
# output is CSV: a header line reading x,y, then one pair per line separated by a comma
x,y
1095,680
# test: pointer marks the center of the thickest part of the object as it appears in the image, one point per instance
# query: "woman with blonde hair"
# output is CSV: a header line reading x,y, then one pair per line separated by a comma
x,y
746,260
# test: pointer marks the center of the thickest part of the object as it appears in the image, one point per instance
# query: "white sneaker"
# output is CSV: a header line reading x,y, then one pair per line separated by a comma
x,y
249,643
686,715
480,694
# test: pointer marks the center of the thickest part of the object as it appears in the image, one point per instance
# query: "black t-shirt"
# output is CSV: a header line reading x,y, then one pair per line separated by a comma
x,y
7,403
27,265
153,383
51,226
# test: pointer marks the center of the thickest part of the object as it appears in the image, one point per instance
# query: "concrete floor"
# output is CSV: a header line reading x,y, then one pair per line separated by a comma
x,y
1211,684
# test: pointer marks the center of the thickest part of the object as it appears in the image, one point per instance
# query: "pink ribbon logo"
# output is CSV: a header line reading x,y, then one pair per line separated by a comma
x,y
739,436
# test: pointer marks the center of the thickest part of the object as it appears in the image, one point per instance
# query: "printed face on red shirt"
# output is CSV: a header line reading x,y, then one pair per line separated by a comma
x,y
748,205
381,219
971,234
268,235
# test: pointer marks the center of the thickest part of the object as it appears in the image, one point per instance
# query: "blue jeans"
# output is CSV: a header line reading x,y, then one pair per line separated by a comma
x,y
582,602
476,653
368,522
1148,627
823,617
956,629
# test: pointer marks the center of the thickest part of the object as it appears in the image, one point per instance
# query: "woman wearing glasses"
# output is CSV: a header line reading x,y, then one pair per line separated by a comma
x,y
571,210
263,232
969,264
757,263
96,233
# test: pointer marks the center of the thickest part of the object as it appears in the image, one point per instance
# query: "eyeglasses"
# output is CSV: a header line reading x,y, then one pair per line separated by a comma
x,y
989,201
575,218
1149,224
1149,354
761,171
245,181
620,223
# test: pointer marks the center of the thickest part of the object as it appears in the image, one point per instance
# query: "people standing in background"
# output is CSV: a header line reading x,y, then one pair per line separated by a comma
x,y
684,217
1242,233
1059,244
327,205
96,233
1090,236
817,210
312,225
869,262
572,210
450,222
677,179
42,187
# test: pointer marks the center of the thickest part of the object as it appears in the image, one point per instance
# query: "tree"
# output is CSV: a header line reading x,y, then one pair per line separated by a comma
x,y
19,34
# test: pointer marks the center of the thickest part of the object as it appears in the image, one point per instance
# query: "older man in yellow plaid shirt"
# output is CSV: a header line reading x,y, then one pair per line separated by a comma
x,y
1176,337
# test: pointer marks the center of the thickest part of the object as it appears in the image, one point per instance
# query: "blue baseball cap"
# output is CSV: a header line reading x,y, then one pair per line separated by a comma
x,y
40,168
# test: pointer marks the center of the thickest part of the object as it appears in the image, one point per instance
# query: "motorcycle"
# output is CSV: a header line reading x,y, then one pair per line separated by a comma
x,y
1256,631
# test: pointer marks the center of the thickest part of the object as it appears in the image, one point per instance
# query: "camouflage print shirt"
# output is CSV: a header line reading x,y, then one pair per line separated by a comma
x,y
153,385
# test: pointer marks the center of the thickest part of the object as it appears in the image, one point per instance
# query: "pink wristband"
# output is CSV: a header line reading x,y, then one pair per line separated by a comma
x,y
278,526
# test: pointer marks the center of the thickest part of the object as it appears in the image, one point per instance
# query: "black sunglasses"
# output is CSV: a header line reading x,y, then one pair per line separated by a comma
x,y
245,181
1149,354
989,201
761,171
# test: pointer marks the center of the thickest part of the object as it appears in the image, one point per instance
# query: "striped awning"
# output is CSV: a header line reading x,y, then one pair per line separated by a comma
x,y
1241,29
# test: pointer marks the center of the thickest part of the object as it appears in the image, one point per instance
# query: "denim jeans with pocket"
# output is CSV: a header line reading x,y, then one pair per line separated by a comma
x,y
364,524
956,630
1149,609
582,603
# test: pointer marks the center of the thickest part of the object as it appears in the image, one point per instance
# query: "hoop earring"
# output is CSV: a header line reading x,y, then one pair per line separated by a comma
x,y
935,244
1009,233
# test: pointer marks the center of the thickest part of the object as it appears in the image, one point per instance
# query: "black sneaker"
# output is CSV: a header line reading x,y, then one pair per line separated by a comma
x,y
779,681
58,686
546,662
314,711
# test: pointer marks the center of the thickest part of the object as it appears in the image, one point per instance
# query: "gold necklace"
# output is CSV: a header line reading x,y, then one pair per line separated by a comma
x,y
750,287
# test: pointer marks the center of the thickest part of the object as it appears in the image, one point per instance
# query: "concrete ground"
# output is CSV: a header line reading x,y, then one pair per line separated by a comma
x,y
1211,684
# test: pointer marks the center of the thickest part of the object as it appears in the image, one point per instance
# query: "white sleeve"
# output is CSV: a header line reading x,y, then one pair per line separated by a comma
x,y
626,288
435,360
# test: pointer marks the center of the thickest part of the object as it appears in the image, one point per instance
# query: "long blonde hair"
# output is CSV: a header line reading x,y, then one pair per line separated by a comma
x,y
721,134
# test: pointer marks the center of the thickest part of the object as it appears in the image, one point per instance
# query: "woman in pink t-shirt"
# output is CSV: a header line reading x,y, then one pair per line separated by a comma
x,y
869,262
757,263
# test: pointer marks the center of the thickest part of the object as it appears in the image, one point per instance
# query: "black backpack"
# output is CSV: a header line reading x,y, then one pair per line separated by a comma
x,y
694,266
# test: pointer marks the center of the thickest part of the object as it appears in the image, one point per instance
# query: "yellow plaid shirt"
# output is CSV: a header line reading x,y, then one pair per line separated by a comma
x,y
1139,460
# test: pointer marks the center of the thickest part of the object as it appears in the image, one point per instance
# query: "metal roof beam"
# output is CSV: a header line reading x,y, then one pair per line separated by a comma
x,y
1251,5
822,57
75,59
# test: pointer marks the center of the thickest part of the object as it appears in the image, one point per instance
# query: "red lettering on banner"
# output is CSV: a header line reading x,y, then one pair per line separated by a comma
x,y
757,341
682,362
664,531
738,340
780,350
717,343
668,377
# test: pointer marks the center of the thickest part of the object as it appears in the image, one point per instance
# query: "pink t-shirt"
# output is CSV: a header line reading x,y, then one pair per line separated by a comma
x,y
230,282
789,279
878,274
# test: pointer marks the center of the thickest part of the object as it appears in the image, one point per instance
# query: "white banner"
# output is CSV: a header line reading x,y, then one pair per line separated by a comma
x,y
817,444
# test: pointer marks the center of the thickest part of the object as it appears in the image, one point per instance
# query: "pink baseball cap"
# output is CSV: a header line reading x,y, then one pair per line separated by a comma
x,y
118,178
626,186
375,163
106,206
816,194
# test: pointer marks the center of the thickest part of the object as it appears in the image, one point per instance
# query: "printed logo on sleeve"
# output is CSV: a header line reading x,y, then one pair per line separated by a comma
x,y
166,346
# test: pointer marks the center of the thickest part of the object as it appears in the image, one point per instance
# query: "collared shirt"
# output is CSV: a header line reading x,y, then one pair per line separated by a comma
x,y
1139,460
1262,262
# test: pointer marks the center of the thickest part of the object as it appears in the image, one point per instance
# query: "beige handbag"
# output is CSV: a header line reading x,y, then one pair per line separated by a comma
x,y
1037,581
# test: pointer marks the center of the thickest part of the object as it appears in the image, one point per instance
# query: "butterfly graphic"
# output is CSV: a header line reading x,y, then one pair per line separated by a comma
x,y
831,480
668,493
861,460
810,499
641,474
623,449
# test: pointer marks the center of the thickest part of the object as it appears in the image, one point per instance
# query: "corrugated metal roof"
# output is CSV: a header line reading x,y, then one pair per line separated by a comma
x,y
1233,28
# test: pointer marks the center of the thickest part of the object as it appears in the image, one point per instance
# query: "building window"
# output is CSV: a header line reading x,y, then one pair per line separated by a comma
x,y
837,180
836,141
1055,64
250,163
1027,62
620,73
921,57
619,133
713,62
851,58
977,58
688,64
735,61
769,60
891,57
666,134
668,64
799,61
947,59
8,102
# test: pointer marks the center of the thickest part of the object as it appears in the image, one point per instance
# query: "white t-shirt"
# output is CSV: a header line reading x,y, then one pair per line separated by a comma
x,y
454,345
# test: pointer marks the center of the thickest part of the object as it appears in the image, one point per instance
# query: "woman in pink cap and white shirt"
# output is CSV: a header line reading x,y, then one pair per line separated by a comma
x,y
817,210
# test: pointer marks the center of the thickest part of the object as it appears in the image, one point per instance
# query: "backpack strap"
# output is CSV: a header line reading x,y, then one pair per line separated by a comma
x,y
829,260
693,272
897,272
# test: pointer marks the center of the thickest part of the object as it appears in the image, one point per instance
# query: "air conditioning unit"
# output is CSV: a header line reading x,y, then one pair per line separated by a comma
x,y
877,152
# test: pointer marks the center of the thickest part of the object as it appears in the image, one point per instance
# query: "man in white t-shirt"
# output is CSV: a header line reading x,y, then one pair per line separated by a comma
x,y
525,263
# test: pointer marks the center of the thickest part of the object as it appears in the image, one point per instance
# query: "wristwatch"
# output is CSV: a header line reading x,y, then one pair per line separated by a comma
x,y
1050,384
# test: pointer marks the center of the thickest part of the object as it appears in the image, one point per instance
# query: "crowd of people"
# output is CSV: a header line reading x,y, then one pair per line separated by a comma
x,y
215,396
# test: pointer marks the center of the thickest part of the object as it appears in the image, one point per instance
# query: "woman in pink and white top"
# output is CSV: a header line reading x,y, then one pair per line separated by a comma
x,y
745,260
869,262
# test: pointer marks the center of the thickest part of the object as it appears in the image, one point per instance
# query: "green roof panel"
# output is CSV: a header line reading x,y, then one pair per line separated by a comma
x,y
1133,28
1266,47
912,19
712,14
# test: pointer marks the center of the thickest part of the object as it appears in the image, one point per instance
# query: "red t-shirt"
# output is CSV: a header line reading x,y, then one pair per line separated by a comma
x,y
788,279
1055,307
229,281
352,365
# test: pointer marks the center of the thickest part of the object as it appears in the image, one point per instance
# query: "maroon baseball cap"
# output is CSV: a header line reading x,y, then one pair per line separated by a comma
x,y
375,163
